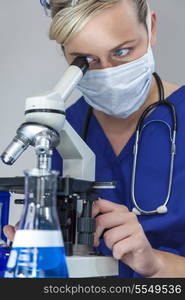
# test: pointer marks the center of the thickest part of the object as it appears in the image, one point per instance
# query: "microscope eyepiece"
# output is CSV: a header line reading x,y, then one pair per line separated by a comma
x,y
82,63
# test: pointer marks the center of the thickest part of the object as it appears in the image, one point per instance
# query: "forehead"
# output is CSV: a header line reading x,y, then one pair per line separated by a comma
x,y
109,26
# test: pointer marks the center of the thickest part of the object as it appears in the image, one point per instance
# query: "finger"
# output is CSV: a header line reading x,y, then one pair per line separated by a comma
x,y
105,206
115,219
117,234
131,245
109,220
123,247
9,231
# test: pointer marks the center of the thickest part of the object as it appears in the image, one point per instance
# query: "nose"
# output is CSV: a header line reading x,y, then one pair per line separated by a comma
x,y
104,64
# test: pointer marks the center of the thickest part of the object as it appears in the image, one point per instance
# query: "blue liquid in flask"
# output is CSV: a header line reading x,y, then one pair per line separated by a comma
x,y
36,262
43,262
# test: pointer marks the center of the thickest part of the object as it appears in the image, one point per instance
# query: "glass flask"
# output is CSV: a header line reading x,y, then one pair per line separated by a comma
x,y
4,248
38,248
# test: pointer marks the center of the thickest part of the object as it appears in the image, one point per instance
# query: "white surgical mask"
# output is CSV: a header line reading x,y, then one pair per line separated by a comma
x,y
122,90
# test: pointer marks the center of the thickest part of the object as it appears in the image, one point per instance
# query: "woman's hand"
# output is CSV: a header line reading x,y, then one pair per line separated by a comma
x,y
125,237
9,231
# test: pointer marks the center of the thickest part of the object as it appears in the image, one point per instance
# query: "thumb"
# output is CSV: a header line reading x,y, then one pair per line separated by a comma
x,y
9,231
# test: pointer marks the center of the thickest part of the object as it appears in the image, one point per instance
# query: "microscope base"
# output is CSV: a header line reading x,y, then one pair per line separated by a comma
x,y
92,266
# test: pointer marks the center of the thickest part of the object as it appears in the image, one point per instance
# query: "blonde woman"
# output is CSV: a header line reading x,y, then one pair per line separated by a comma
x,y
118,36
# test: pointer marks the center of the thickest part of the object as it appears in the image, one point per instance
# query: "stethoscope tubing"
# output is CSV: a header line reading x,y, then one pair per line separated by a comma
x,y
163,207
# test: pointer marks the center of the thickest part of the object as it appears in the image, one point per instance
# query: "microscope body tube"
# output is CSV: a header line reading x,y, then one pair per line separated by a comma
x,y
72,77
65,87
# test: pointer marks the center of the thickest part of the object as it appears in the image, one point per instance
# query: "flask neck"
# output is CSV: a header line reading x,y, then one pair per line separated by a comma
x,y
41,190
40,210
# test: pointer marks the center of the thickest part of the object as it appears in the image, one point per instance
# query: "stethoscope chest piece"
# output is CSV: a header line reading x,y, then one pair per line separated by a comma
x,y
160,210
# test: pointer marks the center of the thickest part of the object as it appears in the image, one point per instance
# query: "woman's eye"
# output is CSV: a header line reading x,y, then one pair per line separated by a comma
x,y
89,59
121,52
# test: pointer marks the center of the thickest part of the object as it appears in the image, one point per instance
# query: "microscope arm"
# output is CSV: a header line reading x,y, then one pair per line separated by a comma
x,y
78,159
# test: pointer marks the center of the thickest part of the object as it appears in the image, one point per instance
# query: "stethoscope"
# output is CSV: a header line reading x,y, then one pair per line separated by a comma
x,y
139,128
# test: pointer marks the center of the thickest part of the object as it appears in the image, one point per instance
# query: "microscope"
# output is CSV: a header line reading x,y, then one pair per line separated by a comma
x,y
45,129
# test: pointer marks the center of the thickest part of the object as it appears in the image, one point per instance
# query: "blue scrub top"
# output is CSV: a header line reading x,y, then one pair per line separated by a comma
x,y
165,232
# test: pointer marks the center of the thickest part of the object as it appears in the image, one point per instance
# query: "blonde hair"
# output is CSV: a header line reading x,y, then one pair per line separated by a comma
x,y
68,20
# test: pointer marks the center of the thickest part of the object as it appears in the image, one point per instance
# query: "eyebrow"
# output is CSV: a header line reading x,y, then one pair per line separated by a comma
x,y
117,47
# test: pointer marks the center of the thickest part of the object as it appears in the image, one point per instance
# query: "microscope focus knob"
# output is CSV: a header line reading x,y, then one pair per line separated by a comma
x,y
86,227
